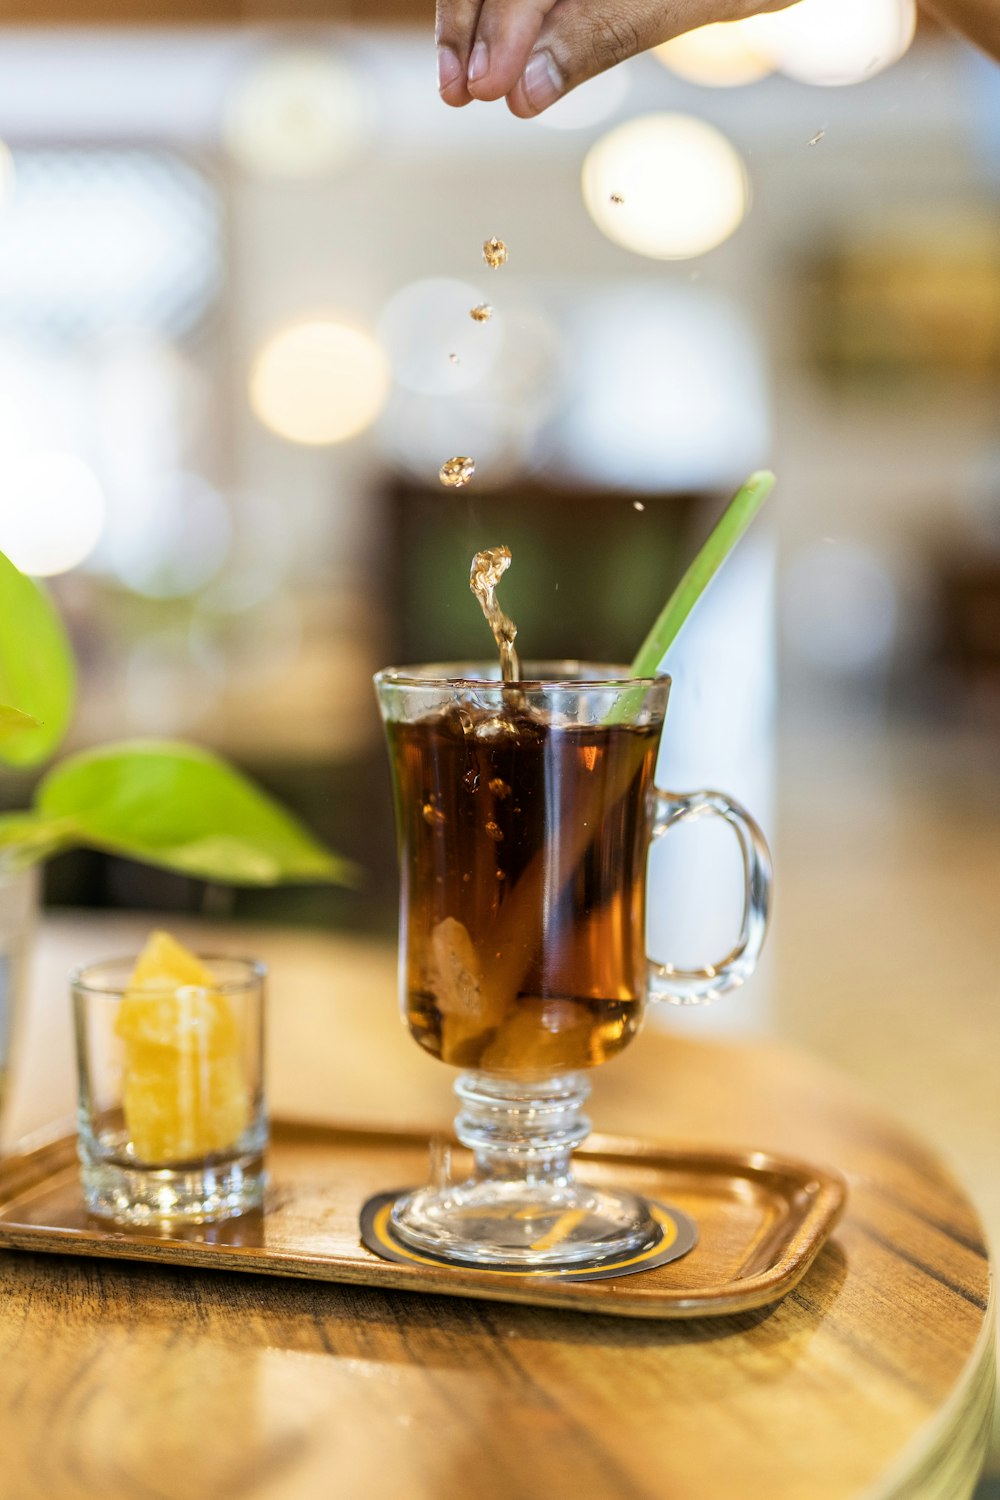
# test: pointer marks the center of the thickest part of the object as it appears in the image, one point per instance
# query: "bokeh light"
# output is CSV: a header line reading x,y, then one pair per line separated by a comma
x,y
319,382
298,114
836,42
669,392
665,185
101,239
435,348
501,420
725,55
52,511
176,539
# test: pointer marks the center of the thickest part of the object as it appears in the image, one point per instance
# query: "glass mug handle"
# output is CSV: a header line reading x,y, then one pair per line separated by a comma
x,y
696,986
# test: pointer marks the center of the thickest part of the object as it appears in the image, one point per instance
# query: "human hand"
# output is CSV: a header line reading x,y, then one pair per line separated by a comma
x,y
534,51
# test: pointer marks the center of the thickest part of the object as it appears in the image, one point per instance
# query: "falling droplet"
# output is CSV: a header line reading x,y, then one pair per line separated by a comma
x,y
617,198
638,505
494,253
817,138
481,313
454,358
455,472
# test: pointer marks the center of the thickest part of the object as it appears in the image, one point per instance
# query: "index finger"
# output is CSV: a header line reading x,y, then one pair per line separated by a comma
x,y
455,30
506,31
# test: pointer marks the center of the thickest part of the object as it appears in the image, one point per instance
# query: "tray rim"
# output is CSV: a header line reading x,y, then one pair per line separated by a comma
x,y
20,1175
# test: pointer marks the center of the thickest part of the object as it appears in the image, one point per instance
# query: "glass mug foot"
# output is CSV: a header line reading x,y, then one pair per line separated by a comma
x,y
522,1206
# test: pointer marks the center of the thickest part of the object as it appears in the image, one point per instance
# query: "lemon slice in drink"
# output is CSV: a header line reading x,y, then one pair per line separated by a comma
x,y
184,1090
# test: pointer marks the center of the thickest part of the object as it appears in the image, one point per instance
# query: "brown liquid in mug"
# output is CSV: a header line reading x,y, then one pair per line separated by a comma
x,y
523,849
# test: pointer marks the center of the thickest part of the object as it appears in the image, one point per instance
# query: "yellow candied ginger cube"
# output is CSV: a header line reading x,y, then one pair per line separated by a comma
x,y
184,1092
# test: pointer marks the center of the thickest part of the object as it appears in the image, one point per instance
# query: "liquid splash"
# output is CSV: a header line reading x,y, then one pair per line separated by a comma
x,y
488,567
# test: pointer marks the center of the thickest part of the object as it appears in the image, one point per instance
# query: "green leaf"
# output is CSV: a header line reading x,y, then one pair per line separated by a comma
x,y
179,807
26,838
13,719
36,669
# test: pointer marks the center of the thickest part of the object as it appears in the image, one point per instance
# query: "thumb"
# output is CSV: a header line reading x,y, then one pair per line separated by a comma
x,y
581,38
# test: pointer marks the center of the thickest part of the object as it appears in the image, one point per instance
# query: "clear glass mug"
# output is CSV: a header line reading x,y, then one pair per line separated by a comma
x,y
525,814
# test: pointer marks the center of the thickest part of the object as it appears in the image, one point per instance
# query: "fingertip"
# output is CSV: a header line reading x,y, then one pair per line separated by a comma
x,y
451,77
538,87
519,104
456,94
485,91
485,80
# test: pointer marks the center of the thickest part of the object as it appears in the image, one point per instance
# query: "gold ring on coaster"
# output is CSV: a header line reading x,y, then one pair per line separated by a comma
x,y
679,1234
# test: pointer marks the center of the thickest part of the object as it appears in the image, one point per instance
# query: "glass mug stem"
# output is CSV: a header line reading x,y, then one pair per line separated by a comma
x,y
526,813
521,1206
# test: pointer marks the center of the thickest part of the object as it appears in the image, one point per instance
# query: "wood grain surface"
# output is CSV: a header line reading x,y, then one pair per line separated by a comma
x,y
761,1221
872,1379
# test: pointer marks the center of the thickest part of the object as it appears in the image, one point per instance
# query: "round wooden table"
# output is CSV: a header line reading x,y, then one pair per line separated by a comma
x,y
873,1379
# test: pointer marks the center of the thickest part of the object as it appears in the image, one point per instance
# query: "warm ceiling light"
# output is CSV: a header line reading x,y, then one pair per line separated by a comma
x,y
831,42
298,114
724,55
665,185
52,514
319,382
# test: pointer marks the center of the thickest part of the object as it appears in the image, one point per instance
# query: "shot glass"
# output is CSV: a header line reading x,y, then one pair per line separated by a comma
x,y
171,1117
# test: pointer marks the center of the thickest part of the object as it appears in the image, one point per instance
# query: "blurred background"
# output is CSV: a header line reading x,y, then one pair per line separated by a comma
x,y
237,258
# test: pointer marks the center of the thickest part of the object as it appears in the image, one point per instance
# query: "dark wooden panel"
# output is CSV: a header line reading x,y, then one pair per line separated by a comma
x,y
214,12
220,12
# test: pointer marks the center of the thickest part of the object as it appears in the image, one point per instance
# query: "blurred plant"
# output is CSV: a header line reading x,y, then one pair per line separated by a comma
x,y
163,803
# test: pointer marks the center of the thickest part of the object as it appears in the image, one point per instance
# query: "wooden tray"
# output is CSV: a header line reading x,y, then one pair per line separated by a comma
x,y
761,1219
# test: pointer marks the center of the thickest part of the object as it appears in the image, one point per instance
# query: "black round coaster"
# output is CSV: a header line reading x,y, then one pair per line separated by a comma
x,y
679,1234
